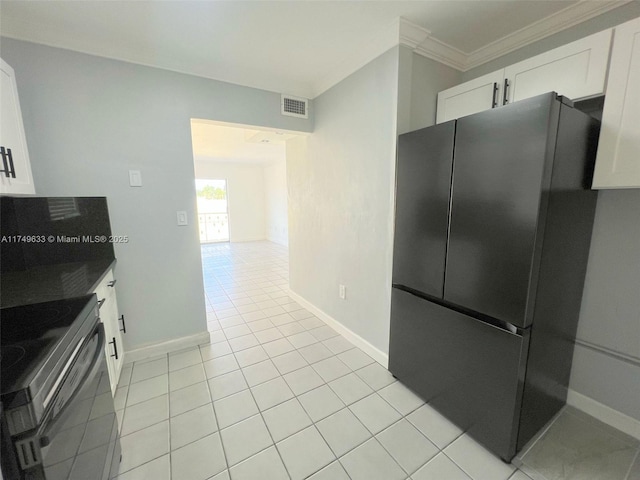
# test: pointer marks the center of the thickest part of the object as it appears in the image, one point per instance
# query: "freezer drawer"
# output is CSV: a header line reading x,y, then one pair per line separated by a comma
x,y
470,371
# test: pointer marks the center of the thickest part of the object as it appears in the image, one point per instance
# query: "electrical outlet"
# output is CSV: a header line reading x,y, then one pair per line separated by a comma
x,y
342,292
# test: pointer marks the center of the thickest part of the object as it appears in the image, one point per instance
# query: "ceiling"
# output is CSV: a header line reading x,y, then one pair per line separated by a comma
x,y
298,47
213,142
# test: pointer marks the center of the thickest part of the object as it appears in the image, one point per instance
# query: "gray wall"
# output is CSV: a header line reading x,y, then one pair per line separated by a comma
x,y
419,81
340,182
606,364
428,77
88,120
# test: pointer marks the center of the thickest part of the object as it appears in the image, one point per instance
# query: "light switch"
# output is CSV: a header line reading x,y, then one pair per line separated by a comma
x,y
135,178
182,218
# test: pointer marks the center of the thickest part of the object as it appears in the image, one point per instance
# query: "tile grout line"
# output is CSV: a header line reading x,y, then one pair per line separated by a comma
x,y
135,431
270,358
218,429
263,421
635,459
169,418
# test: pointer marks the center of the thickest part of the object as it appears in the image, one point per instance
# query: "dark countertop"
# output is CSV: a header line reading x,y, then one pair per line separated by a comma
x,y
52,282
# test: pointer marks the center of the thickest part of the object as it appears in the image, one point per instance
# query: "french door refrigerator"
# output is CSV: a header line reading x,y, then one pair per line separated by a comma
x,y
493,225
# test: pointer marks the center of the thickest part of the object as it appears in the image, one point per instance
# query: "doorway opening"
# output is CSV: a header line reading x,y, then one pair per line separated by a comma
x,y
244,232
213,210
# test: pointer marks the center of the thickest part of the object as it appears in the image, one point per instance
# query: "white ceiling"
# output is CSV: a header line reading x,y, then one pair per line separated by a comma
x,y
213,142
298,47
295,47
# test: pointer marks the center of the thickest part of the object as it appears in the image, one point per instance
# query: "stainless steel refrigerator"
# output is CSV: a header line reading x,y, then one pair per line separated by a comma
x,y
493,225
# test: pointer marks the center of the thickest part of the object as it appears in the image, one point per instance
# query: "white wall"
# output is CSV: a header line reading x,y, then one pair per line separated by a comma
x,y
606,363
245,195
276,202
88,120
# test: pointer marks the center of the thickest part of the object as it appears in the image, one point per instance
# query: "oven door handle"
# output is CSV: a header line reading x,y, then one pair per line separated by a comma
x,y
49,426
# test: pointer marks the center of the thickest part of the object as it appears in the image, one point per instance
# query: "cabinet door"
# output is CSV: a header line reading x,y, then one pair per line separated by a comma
x,y
114,349
117,334
109,316
618,160
577,70
106,317
477,95
12,137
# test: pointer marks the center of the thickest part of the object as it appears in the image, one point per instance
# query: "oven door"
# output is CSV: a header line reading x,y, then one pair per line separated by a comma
x,y
78,436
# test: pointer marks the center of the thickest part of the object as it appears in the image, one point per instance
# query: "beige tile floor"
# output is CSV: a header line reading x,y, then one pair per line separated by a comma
x,y
278,394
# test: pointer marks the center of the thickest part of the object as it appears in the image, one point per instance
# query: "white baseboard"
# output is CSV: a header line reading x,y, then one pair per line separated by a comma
x,y
605,414
378,355
169,346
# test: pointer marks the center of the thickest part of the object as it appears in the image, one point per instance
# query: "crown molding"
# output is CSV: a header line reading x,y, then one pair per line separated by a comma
x,y
443,53
423,43
410,34
567,17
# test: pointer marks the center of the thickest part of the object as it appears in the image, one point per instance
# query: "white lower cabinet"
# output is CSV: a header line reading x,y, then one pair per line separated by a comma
x,y
113,328
618,159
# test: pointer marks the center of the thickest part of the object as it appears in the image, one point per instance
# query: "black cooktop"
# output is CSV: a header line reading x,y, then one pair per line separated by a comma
x,y
34,337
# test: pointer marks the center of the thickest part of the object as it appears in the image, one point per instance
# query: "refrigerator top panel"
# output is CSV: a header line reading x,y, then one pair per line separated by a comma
x,y
502,164
423,183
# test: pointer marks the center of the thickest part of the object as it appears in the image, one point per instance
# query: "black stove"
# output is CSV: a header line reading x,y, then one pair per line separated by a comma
x,y
57,418
33,340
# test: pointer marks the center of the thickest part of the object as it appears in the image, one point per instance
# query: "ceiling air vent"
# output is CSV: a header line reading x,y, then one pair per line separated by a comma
x,y
294,106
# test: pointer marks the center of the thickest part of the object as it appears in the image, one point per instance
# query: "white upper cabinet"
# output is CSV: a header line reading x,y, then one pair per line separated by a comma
x,y
15,169
576,70
618,160
477,95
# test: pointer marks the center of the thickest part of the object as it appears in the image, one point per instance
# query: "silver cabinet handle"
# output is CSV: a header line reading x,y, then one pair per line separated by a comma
x,y
112,283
